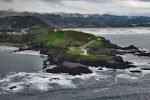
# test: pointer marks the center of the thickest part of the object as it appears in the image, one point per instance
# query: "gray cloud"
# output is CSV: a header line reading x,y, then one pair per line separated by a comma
x,y
119,7
145,0
96,1
6,0
55,1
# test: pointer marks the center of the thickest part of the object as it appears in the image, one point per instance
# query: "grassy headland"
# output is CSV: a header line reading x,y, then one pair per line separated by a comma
x,y
70,43
75,42
34,32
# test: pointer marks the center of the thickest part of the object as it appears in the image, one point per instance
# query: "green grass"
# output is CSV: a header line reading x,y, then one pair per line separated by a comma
x,y
74,51
37,35
68,39
73,42
101,42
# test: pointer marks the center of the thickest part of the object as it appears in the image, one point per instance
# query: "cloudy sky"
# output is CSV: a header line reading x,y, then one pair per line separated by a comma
x,y
116,7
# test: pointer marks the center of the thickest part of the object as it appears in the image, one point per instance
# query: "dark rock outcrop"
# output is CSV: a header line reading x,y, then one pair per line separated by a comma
x,y
71,68
143,54
103,51
116,62
131,47
135,71
145,68
108,64
13,87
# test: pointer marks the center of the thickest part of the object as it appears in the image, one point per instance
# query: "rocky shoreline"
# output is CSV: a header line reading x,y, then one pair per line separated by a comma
x,y
77,66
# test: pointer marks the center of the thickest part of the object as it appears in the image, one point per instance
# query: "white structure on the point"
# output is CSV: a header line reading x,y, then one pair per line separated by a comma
x,y
84,51
55,30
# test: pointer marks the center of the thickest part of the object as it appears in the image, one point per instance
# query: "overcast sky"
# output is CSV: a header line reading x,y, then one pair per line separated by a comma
x,y
116,7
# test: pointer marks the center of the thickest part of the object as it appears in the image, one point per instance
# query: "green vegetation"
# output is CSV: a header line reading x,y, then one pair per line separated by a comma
x,y
70,43
100,42
37,36
10,38
20,22
76,52
75,42
67,39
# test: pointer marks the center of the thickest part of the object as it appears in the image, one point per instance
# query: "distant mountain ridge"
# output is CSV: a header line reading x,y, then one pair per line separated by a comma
x,y
20,22
17,23
18,29
92,21
64,20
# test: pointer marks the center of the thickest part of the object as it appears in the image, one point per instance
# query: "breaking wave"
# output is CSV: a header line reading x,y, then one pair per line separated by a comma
x,y
17,82
41,81
28,52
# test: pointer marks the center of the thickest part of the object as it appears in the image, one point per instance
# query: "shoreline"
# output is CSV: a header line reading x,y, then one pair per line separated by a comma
x,y
100,56
10,44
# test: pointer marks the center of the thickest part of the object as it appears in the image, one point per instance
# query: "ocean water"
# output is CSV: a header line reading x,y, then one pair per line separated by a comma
x,y
24,72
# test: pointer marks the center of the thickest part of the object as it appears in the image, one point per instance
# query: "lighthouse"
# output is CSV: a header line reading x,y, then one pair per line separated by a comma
x,y
84,51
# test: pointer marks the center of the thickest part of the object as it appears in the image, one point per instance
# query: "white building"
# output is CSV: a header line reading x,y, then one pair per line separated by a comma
x,y
84,51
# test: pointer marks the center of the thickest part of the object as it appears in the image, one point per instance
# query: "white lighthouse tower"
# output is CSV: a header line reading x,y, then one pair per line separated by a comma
x,y
84,51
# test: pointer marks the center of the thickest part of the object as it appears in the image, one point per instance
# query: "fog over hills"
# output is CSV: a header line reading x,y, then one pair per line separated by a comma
x,y
72,20
81,13
115,7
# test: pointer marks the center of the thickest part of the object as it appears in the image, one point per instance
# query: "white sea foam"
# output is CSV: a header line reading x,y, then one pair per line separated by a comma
x,y
138,61
126,76
141,62
28,52
4,48
40,81
44,81
99,90
18,87
17,82
145,49
144,72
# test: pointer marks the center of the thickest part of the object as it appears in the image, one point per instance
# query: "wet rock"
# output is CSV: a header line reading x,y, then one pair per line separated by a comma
x,y
54,79
100,68
107,63
118,58
103,51
131,47
145,68
13,87
70,68
143,54
135,71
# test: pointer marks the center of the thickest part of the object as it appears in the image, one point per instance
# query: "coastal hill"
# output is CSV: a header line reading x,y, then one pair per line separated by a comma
x,y
17,22
71,51
14,29
20,24
65,20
